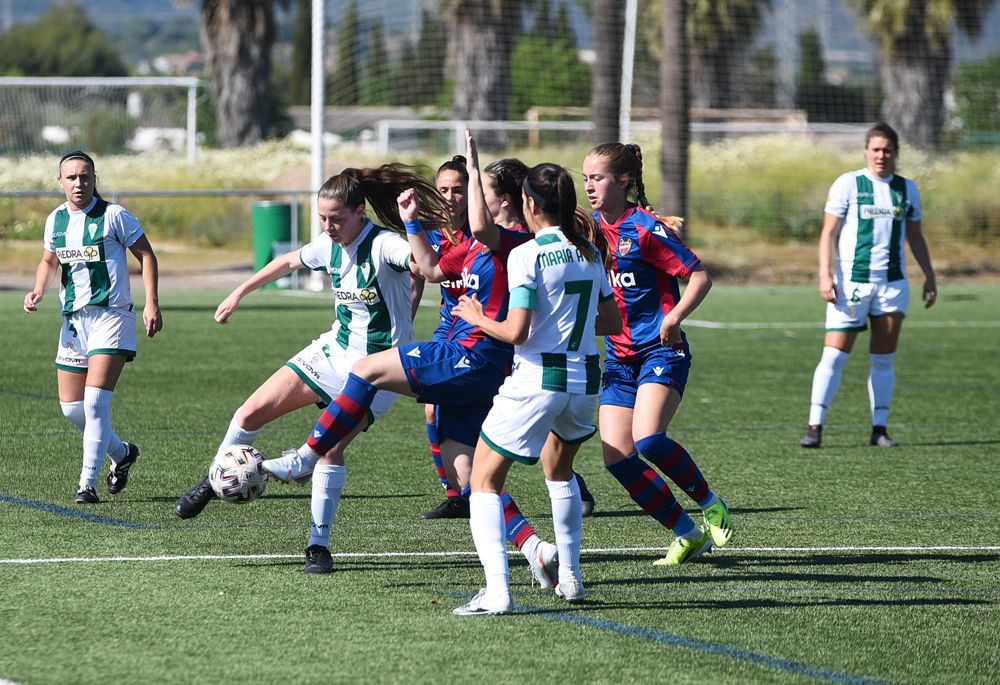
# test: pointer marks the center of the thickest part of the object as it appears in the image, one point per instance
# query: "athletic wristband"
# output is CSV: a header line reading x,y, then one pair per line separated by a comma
x,y
413,227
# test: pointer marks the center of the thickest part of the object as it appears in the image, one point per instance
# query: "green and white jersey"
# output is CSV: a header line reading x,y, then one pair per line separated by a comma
x,y
875,212
90,246
549,276
371,280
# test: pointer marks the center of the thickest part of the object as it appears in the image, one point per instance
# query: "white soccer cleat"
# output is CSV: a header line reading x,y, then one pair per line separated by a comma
x,y
571,590
544,565
291,467
484,605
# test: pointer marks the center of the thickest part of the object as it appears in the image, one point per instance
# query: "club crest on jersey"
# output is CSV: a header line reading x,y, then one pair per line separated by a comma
x,y
93,231
366,270
484,250
624,245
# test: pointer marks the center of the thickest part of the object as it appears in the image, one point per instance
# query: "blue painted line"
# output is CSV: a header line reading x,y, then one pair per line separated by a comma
x,y
767,589
776,663
50,508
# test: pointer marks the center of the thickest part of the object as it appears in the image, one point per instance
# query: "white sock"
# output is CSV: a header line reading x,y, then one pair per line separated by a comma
x,y
75,413
826,382
567,519
236,435
96,433
327,484
881,380
488,532
308,456
530,546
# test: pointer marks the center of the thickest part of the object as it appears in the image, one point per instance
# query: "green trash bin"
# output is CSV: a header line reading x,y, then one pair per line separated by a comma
x,y
271,223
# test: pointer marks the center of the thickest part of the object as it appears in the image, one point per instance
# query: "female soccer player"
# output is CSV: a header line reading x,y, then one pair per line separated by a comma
x,y
559,297
646,365
451,373
452,181
85,240
868,213
370,278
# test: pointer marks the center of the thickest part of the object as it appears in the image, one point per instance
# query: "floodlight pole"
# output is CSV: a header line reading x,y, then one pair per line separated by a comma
x,y
628,67
315,281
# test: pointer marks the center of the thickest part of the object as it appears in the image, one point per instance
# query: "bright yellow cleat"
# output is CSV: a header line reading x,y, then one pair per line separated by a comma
x,y
720,523
682,549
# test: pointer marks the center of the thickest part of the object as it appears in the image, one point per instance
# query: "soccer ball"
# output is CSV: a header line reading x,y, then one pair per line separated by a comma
x,y
237,475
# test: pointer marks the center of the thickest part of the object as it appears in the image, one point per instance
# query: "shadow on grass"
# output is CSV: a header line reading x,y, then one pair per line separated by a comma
x,y
597,605
826,559
301,306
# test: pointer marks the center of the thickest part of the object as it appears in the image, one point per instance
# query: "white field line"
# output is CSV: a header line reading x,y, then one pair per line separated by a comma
x,y
754,325
396,555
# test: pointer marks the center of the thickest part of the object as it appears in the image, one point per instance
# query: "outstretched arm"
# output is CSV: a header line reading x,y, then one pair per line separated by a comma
x,y
275,269
514,329
424,256
480,220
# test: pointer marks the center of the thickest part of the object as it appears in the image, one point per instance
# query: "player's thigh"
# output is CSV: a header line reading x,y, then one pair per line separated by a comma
x,y
489,469
282,393
841,340
70,384
385,371
616,433
104,370
655,406
885,333
557,458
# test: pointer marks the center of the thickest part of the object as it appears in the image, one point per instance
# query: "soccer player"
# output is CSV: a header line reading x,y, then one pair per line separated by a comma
x,y
85,241
868,214
370,278
460,374
647,364
559,297
452,181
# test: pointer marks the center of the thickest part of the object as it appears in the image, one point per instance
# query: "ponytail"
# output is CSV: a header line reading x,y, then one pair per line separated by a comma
x,y
505,178
551,187
380,186
625,162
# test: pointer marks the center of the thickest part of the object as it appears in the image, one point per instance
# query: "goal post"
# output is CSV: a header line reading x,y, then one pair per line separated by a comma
x,y
39,113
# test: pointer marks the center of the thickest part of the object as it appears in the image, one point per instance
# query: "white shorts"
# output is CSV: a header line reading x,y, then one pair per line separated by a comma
x,y
523,415
323,366
95,330
858,301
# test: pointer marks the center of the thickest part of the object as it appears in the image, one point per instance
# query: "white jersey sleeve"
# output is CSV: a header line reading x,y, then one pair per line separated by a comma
x,y
315,255
913,197
122,226
839,197
394,251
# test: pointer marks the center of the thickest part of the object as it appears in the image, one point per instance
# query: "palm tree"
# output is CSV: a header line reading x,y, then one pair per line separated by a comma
x,y
915,38
718,32
609,37
237,36
480,41
674,96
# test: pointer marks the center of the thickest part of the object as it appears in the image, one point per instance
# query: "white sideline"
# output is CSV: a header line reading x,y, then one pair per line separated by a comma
x,y
388,555
753,325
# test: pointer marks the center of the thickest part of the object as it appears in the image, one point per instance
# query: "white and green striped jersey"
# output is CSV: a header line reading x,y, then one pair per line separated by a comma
x,y
875,212
90,245
549,276
371,280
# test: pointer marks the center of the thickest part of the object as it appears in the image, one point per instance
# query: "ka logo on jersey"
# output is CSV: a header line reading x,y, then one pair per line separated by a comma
x,y
624,245
658,230
658,370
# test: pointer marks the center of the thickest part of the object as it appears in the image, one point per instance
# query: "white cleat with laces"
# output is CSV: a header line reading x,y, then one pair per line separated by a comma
x,y
485,605
291,467
545,565
570,589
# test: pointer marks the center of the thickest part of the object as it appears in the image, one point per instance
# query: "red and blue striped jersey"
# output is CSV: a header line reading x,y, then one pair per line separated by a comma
x,y
646,260
450,290
483,274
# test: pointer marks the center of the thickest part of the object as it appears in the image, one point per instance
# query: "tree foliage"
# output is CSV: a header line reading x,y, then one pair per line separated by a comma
x,y
63,42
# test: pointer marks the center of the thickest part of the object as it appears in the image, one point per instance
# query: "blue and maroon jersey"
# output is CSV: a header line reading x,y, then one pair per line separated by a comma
x,y
646,260
450,290
483,275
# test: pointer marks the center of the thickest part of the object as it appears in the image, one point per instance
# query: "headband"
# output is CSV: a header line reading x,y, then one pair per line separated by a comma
x,y
78,154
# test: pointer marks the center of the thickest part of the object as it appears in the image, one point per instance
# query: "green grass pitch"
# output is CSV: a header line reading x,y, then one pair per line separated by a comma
x,y
850,564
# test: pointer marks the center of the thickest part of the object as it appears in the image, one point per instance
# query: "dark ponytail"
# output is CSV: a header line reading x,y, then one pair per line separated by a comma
x,y
551,187
380,187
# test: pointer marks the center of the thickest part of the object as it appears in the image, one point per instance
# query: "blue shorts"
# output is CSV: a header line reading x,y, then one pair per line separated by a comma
x,y
446,373
461,423
664,365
